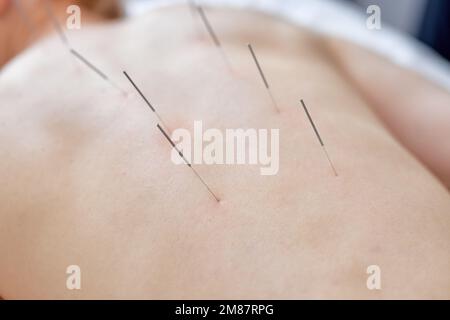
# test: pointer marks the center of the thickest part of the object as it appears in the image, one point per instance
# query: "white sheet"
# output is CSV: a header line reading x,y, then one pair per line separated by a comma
x,y
341,19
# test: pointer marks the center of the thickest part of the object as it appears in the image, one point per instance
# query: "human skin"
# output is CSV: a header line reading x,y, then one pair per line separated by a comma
x,y
87,178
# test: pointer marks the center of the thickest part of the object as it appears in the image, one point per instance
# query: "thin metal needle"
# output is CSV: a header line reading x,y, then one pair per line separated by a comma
x,y
194,14
58,27
319,137
266,84
187,162
96,70
208,26
56,23
213,35
145,99
89,64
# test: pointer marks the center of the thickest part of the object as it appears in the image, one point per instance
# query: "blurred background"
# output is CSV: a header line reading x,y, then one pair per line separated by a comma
x,y
427,20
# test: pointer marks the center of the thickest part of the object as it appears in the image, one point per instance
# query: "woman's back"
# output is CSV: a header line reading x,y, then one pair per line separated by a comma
x,y
88,179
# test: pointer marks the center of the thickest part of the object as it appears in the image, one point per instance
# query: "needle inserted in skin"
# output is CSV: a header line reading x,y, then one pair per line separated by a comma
x,y
213,35
56,23
266,84
145,99
96,70
187,162
208,26
318,137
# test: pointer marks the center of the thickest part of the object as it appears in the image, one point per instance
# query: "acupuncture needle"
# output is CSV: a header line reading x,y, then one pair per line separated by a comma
x,y
55,22
187,162
319,137
263,77
213,35
145,99
96,70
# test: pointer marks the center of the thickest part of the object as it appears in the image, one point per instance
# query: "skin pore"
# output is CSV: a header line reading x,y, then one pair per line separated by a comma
x,y
87,177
